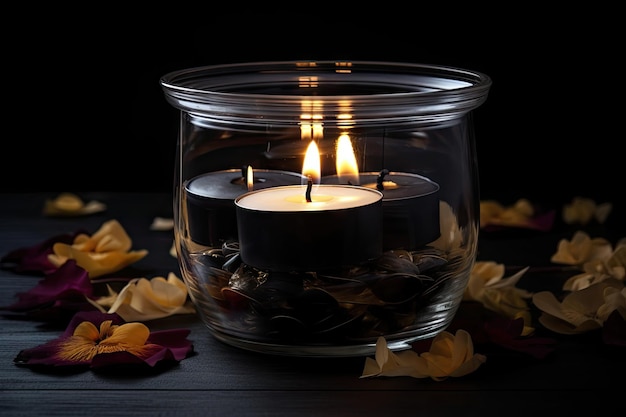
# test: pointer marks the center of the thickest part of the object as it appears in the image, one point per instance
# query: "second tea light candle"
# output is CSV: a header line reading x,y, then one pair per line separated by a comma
x,y
210,209
280,230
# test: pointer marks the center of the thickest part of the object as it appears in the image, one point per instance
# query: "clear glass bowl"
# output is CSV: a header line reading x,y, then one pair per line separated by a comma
x,y
313,272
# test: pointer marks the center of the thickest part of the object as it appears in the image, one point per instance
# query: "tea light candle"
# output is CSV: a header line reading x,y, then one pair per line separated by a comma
x,y
210,200
410,207
280,230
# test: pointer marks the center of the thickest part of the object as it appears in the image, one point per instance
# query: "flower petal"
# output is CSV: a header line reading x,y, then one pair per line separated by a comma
x,y
107,342
128,334
106,251
390,364
34,258
87,330
142,299
65,290
68,204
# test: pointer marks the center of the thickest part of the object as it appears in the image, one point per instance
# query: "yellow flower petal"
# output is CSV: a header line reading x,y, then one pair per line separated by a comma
x,y
142,299
387,363
87,330
128,334
449,355
68,204
580,249
519,214
97,264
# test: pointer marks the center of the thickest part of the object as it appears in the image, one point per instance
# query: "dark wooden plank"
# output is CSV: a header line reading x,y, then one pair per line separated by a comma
x,y
234,402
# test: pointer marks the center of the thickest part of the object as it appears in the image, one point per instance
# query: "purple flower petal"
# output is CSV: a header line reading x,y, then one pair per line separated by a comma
x,y
46,355
161,346
542,222
57,297
35,258
174,340
507,333
70,282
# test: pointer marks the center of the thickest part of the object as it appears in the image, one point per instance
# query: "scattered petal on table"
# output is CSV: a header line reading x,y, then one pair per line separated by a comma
x,y
488,286
452,356
68,204
100,340
601,265
578,312
614,300
449,356
522,214
582,210
510,334
67,286
162,223
106,251
581,248
389,363
142,299
35,258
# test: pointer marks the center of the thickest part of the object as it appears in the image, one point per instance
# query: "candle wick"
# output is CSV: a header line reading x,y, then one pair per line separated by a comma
x,y
309,186
380,179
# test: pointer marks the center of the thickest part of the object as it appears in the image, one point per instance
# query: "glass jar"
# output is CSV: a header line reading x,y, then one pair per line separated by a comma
x,y
319,205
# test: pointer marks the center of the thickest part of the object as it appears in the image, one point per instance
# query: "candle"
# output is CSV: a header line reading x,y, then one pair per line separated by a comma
x,y
210,200
280,230
309,227
410,201
410,207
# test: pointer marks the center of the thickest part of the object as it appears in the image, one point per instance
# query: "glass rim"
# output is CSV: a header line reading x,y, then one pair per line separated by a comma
x,y
276,90
198,79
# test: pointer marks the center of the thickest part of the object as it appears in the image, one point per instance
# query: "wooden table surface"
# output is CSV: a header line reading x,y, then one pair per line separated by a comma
x,y
582,376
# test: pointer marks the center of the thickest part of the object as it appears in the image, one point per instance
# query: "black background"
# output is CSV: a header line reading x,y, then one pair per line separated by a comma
x,y
84,110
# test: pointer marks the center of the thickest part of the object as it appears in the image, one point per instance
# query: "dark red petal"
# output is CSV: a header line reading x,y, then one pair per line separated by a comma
x,y
507,333
174,340
35,258
69,282
176,348
45,355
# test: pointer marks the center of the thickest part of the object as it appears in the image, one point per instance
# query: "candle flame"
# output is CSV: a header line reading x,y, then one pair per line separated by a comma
x,y
250,178
347,168
311,167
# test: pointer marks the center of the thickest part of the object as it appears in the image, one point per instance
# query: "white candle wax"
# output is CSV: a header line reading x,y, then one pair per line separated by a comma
x,y
323,197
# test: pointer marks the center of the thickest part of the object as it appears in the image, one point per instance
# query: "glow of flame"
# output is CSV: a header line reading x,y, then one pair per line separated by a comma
x,y
311,167
347,168
310,131
250,178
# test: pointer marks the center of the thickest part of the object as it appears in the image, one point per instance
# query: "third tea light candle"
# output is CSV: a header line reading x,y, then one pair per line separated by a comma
x,y
410,207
